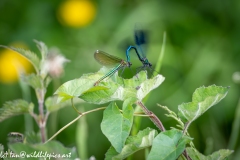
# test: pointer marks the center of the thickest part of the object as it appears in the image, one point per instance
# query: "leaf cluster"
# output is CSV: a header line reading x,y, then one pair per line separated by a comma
x,y
117,121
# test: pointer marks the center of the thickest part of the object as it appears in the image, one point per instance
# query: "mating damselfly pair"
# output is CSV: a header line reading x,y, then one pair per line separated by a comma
x,y
108,60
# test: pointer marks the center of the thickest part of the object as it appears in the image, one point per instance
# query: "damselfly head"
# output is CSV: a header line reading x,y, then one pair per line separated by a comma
x,y
149,64
129,64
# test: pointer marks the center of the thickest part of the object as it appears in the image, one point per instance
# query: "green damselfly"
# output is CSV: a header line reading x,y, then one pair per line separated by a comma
x,y
108,60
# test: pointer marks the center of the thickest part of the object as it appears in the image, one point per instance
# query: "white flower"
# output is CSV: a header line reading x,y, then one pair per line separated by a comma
x,y
53,65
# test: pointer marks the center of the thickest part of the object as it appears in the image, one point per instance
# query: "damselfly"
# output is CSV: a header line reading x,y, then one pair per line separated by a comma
x,y
141,41
110,61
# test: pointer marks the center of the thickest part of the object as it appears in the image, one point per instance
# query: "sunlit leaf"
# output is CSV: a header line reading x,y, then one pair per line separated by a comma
x,y
13,108
31,56
116,126
100,94
138,86
142,140
148,86
118,88
75,88
134,81
203,98
218,155
168,145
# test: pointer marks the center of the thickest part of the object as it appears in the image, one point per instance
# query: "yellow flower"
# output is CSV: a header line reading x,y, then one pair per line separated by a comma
x,y
11,64
76,13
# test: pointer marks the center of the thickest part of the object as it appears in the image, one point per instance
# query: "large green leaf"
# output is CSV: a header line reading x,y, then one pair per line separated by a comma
x,y
76,87
43,151
203,98
101,94
118,88
137,87
116,126
111,89
135,143
31,56
218,155
16,107
148,85
168,145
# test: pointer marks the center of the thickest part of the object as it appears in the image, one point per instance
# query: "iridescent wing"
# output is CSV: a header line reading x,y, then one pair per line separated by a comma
x,y
141,40
106,59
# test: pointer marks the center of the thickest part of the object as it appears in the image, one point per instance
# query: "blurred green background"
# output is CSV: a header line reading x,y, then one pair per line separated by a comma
x,y
202,48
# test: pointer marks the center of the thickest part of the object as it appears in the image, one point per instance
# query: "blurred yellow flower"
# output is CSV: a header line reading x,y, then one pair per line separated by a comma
x,y
76,13
11,64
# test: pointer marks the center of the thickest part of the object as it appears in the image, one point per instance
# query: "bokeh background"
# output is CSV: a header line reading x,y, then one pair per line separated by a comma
x,y
202,48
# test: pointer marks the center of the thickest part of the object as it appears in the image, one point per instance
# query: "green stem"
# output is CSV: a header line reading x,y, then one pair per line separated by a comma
x,y
235,128
27,96
75,107
82,137
70,123
160,57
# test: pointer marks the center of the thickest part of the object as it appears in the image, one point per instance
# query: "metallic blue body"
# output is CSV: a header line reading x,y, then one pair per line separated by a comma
x,y
140,40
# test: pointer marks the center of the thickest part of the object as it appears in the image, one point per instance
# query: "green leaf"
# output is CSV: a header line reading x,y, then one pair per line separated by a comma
x,y
38,151
149,85
76,87
218,155
32,138
31,56
100,94
118,88
132,82
103,92
142,140
116,126
33,80
42,48
52,105
16,107
137,87
203,98
168,145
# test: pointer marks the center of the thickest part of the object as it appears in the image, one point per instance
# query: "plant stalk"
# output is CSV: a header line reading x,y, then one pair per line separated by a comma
x,y
42,120
235,128
152,116
82,114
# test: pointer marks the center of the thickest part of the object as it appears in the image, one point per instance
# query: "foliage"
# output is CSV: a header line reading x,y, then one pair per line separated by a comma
x,y
16,107
116,123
